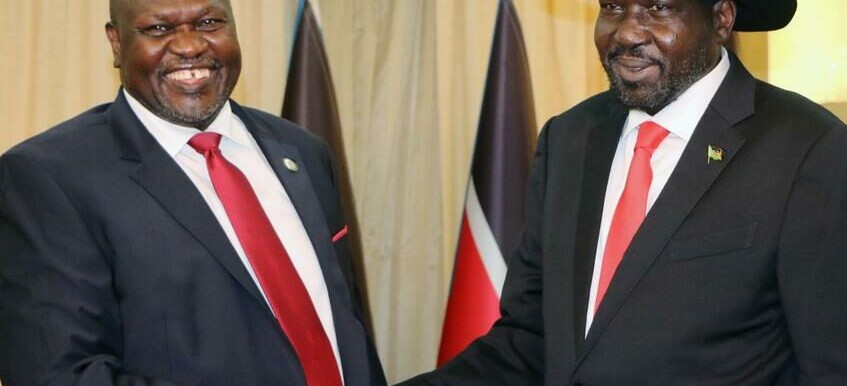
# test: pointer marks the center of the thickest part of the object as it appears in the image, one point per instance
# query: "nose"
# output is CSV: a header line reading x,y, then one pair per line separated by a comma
x,y
188,44
632,30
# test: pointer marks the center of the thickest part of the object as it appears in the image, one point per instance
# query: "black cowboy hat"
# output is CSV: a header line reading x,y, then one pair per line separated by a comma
x,y
763,15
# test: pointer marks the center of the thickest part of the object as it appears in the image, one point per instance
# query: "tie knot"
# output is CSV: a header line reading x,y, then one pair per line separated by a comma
x,y
650,135
205,141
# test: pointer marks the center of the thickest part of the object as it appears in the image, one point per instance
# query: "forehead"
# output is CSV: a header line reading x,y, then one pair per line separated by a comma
x,y
676,3
169,8
689,12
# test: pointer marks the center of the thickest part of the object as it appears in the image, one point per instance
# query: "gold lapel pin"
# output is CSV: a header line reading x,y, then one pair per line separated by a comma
x,y
290,164
714,154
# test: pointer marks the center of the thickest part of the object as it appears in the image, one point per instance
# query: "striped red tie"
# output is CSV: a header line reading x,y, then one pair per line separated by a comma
x,y
279,280
632,206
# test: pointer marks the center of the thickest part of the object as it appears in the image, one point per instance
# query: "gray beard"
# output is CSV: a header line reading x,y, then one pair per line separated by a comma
x,y
664,91
199,119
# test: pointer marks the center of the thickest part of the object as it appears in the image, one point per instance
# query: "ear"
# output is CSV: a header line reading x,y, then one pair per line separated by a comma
x,y
115,41
723,13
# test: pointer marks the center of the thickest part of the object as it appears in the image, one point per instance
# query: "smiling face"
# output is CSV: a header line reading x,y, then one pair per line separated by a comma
x,y
179,58
653,50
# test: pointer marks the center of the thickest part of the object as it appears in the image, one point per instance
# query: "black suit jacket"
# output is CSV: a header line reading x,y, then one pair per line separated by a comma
x,y
113,270
737,275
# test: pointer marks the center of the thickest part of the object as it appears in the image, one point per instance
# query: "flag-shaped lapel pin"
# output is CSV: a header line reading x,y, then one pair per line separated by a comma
x,y
714,154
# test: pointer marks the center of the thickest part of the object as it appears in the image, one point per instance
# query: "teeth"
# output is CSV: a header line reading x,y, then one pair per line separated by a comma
x,y
201,73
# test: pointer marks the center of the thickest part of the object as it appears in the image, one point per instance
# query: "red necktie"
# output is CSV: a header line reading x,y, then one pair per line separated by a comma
x,y
632,206
279,280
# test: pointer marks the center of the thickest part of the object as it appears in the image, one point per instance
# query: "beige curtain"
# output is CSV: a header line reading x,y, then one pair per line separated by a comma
x,y
54,64
409,76
57,62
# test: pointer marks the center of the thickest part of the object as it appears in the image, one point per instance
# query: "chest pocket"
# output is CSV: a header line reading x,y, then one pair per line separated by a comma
x,y
714,243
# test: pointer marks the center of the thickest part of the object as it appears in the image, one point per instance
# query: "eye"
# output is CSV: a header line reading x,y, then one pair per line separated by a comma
x,y
659,7
156,30
209,24
610,7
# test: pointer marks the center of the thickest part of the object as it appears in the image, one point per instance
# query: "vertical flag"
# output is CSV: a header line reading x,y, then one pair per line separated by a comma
x,y
493,218
310,102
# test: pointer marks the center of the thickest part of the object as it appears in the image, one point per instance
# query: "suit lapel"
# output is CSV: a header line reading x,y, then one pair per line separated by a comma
x,y
300,190
601,151
577,164
690,180
350,333
163,179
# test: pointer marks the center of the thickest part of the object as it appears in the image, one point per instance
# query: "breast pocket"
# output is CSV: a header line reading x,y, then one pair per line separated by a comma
x,y
713,243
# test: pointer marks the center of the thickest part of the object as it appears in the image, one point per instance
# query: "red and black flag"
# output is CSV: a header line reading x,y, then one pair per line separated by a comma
x,y
494,203
310,102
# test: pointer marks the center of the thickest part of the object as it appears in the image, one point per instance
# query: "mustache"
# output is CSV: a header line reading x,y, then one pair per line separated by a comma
x,y
632,52
205,62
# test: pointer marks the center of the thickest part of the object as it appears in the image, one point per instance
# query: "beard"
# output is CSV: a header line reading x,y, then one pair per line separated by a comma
x,y
197,109
197,116
674,78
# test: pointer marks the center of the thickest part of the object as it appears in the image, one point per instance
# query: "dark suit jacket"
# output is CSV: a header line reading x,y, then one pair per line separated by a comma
x,y
737,276
113,270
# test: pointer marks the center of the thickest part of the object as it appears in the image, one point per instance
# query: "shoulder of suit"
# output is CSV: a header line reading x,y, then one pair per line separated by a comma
x,y
73,135
284,127
587,112
793,107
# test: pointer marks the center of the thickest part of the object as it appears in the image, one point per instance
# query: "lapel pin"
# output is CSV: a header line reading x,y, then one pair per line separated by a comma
x,y
290,164
714,154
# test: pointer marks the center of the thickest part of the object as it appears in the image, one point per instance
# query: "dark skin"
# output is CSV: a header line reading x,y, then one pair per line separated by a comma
x,y
179,58
654,50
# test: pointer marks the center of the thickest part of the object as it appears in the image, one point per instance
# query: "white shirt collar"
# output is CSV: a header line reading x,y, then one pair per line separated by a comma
x,y
681,116
174,137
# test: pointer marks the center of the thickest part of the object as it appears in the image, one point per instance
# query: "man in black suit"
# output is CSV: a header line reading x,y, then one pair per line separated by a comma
x,y
173,237
687,227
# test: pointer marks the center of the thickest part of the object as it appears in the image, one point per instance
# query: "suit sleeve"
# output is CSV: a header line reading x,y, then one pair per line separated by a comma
x,y
812,263
60,318
512,352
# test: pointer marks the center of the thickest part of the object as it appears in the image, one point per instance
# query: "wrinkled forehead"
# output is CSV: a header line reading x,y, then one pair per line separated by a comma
x,y
129,9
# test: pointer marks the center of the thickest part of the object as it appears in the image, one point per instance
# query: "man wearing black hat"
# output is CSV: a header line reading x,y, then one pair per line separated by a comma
x,y
686,227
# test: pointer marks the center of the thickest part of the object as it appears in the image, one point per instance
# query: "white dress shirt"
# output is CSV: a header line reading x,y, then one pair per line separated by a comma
x,y
680,118
240,149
